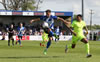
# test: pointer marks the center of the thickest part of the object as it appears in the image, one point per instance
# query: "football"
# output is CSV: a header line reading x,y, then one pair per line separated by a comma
x,y
45,25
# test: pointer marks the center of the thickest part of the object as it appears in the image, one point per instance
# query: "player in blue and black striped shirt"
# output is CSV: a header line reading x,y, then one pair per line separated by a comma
x,y
21,31
50,20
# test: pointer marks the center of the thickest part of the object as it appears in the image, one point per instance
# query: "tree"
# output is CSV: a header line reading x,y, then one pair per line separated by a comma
x,y
74,17
18,4
28,5
93,27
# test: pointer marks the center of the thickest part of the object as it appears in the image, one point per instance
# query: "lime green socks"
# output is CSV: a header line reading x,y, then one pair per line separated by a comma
x,y
87,48
70,46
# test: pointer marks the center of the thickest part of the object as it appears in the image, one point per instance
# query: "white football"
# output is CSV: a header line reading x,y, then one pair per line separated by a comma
x,y
45,25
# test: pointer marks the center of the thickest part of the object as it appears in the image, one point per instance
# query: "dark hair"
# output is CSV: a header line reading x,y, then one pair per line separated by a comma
x,y
19,23
79,15
48,10
11,24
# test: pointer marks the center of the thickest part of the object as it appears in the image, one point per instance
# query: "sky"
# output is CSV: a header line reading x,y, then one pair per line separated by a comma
x,y
74,6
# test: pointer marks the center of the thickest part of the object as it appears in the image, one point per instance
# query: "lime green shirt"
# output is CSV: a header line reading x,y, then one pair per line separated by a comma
x,y
78,27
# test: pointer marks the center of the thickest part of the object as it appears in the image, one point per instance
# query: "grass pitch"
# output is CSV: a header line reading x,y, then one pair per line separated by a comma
x,y
32,52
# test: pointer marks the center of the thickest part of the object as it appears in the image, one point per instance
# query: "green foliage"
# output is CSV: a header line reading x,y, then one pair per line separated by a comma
x,y
29,5
74,17
93,27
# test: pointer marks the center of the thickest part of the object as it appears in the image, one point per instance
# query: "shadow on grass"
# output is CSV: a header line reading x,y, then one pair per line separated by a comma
x,y
32,57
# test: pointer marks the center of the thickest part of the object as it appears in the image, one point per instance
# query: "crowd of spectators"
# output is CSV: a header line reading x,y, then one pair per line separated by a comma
x,y
29,30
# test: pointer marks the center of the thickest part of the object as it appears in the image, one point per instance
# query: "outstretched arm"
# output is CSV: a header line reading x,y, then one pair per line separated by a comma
x,y
66,23
70,30
34,20
63,20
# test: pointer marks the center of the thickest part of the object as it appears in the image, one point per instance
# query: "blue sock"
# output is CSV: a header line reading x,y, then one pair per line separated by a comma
x,y
55,40
52,33
48,44
19,42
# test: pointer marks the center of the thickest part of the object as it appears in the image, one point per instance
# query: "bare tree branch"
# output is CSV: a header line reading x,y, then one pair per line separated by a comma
x,y
18,4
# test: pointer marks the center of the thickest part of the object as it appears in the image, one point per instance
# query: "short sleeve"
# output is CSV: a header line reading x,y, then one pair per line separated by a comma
x,y
55,17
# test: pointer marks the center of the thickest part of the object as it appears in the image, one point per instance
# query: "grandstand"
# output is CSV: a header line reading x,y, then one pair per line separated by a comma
x,y
8,17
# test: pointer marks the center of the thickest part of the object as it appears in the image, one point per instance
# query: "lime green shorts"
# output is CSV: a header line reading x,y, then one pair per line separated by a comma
x,y
77,38
45,37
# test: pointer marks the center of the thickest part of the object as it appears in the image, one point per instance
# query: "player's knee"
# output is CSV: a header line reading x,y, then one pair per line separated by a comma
x,y
84,40
12,39
50,39
73,46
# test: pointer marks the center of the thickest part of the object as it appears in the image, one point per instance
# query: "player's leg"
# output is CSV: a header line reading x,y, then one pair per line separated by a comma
x,y
45,39
58,37
17,40
52,33
9,40
20,37
49,31
71,46
55,39
48,45
49,42
12,41
84,40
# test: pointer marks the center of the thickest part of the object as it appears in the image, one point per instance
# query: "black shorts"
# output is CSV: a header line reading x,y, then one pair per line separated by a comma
x,y
20,37
49,35
10,35
46,31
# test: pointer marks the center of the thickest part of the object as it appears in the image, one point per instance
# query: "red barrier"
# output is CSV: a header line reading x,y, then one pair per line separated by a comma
x,y
24,37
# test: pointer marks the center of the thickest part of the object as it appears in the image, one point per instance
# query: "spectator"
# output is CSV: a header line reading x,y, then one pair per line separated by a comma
x,y
90,36
3,36
95,36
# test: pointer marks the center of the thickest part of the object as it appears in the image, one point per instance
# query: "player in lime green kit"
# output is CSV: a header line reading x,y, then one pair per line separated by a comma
x,y
45,39
78,26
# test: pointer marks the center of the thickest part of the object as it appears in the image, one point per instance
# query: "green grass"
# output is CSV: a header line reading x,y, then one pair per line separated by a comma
x,y
32,52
